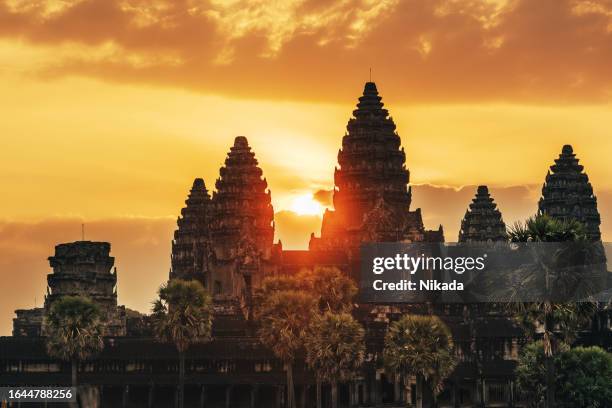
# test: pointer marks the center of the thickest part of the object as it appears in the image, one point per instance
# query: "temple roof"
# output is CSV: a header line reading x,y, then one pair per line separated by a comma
x,y
192,234
242,201
568,194
370,102
198,184
482,220
371,195
193,223
198,198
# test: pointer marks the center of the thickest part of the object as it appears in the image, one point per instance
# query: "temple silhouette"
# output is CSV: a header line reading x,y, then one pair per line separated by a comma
x,y
225,240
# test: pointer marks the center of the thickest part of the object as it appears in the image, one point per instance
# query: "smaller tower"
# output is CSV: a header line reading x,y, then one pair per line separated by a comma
x,y
242,225
568,194
482,221
191,244
85,268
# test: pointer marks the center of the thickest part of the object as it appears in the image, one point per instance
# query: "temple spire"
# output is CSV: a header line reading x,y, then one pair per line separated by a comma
x,y
371,193
482,220
372,163
242,228
568,194
370,103
192,237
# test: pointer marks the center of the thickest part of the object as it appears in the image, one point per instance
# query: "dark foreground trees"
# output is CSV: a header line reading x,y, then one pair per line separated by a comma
x,y
311,312
284,320
335,350
583,376
182,315
74,331
559,321
421,346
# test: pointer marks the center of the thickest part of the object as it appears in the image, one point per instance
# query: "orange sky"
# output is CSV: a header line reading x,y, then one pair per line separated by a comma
x,y
110,108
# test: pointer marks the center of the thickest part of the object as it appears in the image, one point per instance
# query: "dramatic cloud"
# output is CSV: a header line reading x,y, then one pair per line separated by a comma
x,y
428,51
325,197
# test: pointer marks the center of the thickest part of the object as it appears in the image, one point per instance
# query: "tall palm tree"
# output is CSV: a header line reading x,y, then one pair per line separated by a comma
x,y
274,284
553,318
182,315
73,331
284,320
335,291
335,350
420,346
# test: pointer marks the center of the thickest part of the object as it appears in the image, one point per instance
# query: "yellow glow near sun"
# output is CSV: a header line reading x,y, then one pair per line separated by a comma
x,y
306,205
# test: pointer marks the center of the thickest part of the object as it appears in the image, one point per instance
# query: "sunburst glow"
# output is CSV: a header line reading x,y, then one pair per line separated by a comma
x,y
306,205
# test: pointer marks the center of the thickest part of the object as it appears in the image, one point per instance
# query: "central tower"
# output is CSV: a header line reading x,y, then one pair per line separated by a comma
x,y
372,163
371,194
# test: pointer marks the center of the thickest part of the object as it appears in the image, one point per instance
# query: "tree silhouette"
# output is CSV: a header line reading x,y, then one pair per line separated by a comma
x,y
335,291
74,331
420,346
335,350
182,315
284,318
557,272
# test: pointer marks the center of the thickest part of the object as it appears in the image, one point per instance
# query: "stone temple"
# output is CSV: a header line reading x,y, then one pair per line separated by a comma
x,y
82,268
371,196
482,221
567,193
191,244
225,241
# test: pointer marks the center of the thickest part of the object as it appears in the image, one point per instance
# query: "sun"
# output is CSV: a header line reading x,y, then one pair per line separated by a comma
x,y
306,205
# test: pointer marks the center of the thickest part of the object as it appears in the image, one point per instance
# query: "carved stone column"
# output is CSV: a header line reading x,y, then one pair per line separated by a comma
x,y
125,397
277,397
202,396
378,389
151,396
303,397
397,389
254,392
228,396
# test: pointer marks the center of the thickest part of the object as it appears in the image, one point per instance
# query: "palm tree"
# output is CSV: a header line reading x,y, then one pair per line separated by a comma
x,y
420,346
274,284
74,331
182,315
335,350
284,320
546,314
335,291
